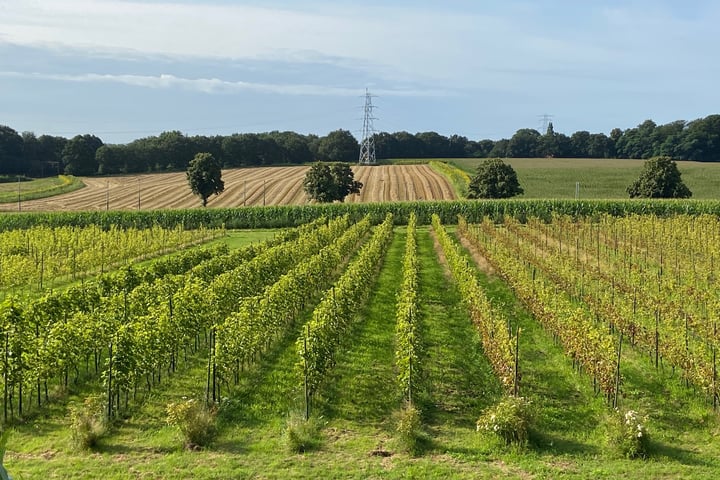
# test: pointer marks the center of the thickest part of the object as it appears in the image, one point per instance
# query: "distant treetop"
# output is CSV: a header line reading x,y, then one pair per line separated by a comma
x,y
30,155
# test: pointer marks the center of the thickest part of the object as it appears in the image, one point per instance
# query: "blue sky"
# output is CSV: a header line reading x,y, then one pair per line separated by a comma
x,y
125,69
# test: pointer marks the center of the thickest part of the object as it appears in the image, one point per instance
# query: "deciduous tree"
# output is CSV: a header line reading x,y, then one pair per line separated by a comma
x,y
11,151
328,182
78,155
494,179
338,146
660,178
204,175
524,144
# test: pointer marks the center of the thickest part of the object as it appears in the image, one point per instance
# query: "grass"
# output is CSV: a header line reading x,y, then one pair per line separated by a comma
x,y
356,410
568,410
460,380
40,188
459,179
362,386
360,396
599,178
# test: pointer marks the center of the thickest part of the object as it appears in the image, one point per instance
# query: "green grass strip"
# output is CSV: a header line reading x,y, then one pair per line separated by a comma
x,y
40,188
459,179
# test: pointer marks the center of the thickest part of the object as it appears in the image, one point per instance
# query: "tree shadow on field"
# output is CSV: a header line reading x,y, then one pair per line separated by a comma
x,y
266,389
546,443
678,454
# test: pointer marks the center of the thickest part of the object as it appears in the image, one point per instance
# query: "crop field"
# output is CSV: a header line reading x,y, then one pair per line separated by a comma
x,y
393,341
598,178
243,187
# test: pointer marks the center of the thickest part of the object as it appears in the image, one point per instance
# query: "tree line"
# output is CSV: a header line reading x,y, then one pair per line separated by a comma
x,y
46,155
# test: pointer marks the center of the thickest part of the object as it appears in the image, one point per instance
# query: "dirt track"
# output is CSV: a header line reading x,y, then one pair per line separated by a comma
x,y
248,186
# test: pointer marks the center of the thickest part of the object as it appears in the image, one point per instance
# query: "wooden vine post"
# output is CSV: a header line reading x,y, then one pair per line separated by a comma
x,y
516,380
305,374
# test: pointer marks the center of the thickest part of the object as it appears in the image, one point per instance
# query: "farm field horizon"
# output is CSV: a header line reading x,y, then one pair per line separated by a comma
x,y
541,178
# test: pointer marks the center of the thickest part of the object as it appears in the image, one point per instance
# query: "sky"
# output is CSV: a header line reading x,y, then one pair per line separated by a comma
x,y
127,69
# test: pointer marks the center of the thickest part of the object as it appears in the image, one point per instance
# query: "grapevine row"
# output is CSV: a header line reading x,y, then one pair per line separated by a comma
x,y
652,318
259,319
498,343
159,330
38,256
53,335
590,348
250,278
406,330
334,316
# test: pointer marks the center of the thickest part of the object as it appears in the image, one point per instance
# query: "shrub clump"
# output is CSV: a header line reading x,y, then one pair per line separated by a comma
x,y
88,422
302,435
510,420
409,429
628,434
195,421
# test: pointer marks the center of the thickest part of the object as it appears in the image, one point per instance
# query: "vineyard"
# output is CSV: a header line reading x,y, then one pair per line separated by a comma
x,y
356,348
39,257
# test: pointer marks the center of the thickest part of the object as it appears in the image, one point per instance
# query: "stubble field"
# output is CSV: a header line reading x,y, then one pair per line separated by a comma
x,y
250,186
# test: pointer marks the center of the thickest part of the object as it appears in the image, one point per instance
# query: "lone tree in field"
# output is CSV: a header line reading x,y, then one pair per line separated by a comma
x,y
328,182
204,176
660,178
494,179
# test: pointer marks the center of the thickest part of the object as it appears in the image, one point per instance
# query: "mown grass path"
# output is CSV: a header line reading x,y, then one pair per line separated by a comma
x,y
362,386
459,380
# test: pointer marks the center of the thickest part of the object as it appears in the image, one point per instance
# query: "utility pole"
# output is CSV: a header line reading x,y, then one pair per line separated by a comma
x,y
367,144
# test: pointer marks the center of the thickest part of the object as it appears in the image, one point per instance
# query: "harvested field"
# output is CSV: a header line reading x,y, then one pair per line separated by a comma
x,y
390,183
246,186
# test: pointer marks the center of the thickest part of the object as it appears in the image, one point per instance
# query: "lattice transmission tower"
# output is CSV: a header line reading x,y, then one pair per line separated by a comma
x,y
367,144
545,121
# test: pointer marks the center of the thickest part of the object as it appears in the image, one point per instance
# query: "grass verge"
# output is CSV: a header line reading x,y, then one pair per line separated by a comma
x,y
40,188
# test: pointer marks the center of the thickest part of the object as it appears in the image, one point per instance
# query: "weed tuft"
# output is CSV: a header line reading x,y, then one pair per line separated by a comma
x,y
627,434
300,435
411,436
87,422
510,420
195,421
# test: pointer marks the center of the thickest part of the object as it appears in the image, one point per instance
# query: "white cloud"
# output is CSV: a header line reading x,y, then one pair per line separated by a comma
x,y
410,43
225,31
418,45
215,85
